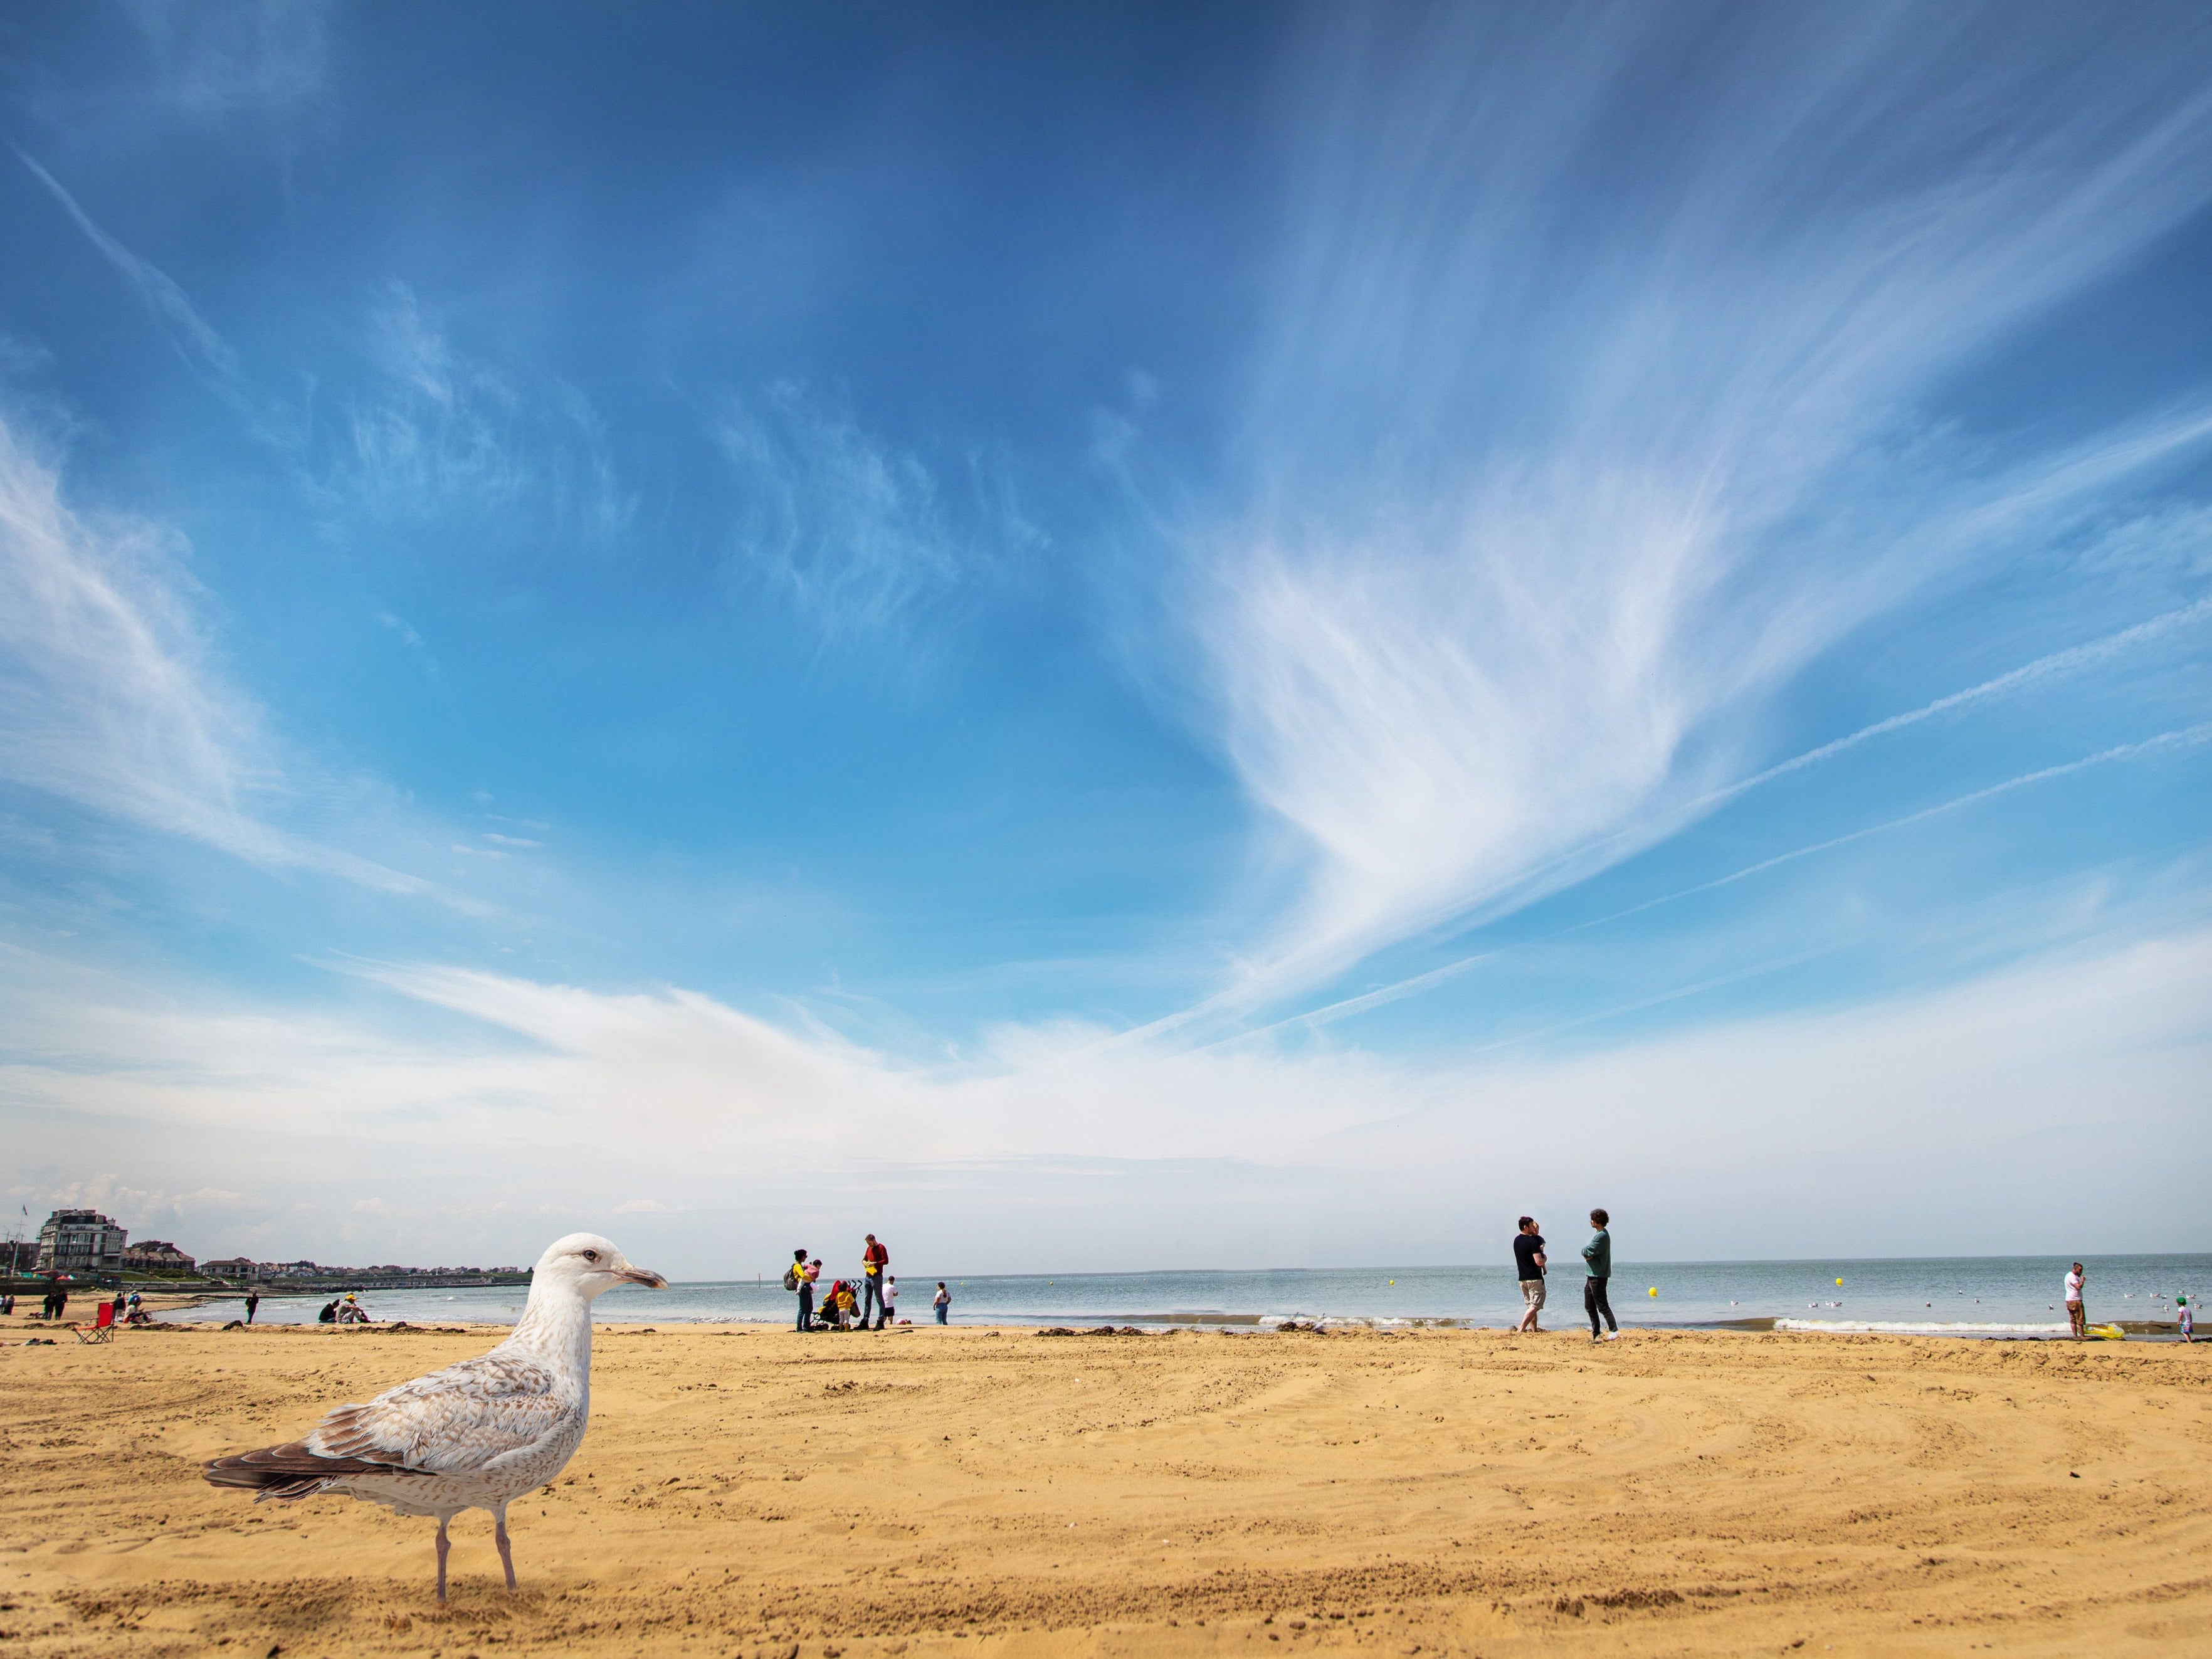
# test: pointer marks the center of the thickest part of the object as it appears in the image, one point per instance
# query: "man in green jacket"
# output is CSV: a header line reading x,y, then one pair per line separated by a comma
x,y
1598,1255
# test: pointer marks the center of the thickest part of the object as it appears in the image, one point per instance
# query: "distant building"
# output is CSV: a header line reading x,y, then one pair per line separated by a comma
x,y
80,1241
233,1267
157,1255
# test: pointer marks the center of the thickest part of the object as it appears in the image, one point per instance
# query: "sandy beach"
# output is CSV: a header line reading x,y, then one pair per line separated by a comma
x,y
751,1491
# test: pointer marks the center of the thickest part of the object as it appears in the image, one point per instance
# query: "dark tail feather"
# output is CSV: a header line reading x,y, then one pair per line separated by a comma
x,y
290,1471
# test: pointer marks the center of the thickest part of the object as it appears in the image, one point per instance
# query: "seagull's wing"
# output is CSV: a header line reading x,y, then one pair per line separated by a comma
x,y
452,1421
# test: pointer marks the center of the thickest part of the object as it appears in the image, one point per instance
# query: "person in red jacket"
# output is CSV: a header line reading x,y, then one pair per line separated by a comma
x,y
875,1262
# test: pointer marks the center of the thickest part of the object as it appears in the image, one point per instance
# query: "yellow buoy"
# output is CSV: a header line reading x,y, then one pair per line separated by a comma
x,y
1839,1281
1654,1290
1393,1281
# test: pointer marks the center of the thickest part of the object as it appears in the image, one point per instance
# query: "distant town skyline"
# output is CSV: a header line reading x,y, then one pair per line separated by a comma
x,y
1114,638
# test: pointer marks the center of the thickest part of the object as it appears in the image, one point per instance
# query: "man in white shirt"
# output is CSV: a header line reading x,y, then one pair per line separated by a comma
x,y
889,1298
2075,1317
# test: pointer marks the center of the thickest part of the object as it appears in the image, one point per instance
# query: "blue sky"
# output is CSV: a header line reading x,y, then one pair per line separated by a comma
x,y
1106,637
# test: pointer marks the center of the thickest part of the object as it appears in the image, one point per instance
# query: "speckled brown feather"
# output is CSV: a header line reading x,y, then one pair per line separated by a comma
x,y
291,1471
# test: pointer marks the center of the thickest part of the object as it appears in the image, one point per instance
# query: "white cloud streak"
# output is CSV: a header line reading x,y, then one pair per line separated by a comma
x,y
1583,423
107,694
2165,743
2071,660
104,699
201,348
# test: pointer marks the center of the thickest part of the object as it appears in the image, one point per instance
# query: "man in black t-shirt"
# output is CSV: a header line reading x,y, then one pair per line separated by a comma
x,y
1529,1264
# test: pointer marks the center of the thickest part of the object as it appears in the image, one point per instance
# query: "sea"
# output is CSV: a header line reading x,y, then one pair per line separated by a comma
x,y
2014,1296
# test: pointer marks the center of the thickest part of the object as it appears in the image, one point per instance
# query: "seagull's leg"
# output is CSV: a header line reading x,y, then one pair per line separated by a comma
x,y
443,1546
499,1536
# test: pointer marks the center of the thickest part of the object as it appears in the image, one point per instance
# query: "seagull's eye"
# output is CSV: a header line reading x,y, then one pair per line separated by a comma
x,y
591,1255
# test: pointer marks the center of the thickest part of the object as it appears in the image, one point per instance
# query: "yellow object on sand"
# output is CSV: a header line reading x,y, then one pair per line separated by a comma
x,y
2108,1332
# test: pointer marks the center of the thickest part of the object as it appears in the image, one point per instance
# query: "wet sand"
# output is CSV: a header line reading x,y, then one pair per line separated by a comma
x,y
750,1491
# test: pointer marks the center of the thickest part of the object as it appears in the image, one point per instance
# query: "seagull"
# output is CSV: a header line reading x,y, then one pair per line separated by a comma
x,y
474,1435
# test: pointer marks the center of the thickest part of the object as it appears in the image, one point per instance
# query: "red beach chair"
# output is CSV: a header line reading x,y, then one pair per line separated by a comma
x,y
103,1329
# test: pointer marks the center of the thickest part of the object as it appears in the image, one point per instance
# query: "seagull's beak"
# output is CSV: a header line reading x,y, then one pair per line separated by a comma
x,y
645,1276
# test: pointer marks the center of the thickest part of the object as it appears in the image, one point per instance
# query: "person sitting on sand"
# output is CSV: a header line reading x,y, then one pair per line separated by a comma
x,y
1528,1267
1598,1255
846,1301
2075,1316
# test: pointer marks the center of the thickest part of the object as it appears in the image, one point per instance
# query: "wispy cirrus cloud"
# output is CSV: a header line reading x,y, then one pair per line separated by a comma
x,y
196,341
2164,746
1591,409
259,56
860,536
110,696
434,430
104,696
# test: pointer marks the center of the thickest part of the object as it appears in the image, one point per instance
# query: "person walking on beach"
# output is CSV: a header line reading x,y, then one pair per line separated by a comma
x,y
2184,1316
1598,1255
942,1302
889,1314
1528,1267
875,1262
2075,1317
252,1301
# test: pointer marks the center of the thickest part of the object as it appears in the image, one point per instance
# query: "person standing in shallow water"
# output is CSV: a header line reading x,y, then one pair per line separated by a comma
x,y
1598,1256
1528,1267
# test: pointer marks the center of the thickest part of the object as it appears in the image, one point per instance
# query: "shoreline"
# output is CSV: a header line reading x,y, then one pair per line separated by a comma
x,y
19,1326
1782,1324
